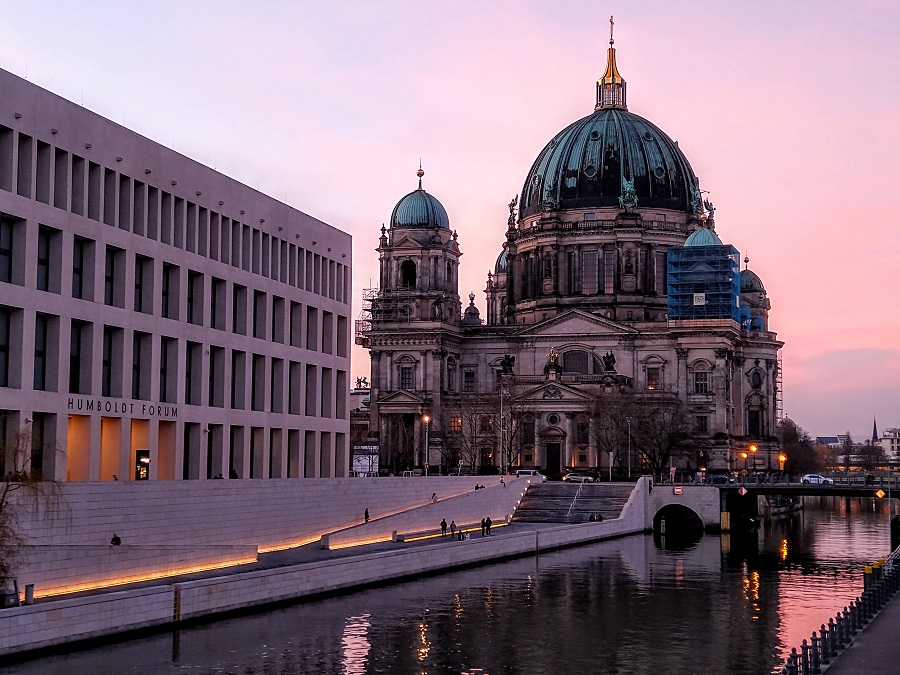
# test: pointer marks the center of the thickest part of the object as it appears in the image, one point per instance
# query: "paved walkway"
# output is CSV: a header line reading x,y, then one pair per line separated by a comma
x,y
876,650
312,552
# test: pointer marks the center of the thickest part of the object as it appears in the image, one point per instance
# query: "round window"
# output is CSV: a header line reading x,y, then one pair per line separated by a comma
x,y
553,419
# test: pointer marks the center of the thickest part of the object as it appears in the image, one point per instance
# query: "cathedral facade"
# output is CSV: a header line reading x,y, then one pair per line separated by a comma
x,y
620,334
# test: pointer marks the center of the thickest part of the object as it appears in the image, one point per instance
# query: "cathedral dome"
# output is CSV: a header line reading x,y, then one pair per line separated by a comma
x,y
704,237
419,209
586,164
610,157
502,263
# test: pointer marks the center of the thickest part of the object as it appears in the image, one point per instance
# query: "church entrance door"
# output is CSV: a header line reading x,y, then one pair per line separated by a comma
x,y
554,454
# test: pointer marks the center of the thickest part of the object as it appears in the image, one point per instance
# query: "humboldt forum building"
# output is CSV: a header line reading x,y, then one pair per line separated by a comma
x,y
620,332
159,320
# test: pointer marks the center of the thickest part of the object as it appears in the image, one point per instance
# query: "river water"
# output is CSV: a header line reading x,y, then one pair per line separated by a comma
x,y
730,604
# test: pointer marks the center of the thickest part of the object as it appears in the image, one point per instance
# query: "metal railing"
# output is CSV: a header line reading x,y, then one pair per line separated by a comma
x,y
577,494
882,581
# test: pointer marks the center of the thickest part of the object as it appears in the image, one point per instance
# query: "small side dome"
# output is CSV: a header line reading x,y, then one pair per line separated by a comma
x,y
501,265
751,283
419,209
471,317
704,237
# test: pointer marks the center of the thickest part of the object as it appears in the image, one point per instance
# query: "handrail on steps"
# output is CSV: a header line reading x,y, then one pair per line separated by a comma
x,y
572,505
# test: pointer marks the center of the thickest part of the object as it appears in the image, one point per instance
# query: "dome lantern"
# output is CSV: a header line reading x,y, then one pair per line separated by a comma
x,y
611,87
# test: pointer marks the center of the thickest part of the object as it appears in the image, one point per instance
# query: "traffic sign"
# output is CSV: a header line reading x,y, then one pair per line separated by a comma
x,y
677,489
742,491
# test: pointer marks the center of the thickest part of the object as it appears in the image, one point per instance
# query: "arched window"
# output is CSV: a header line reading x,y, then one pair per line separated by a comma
x,y
449,277
756,379
575,361
408,274
451,374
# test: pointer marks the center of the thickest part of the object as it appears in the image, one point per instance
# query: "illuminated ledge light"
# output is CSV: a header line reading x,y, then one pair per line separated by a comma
x,y
120,581
293,544
361,542
438,534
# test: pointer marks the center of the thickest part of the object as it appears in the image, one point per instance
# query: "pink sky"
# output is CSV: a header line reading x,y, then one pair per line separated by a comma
x,y
788,112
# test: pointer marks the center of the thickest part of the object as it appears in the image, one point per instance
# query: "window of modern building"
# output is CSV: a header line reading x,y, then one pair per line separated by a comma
x,y
343,337
78,185
238,378
113,290
80,357
456,424
168,370
43,259
259,315
6,158
340,393
468,380
701,382
140,360
311,389
258,382
111,367
239,309
327,392
171,285
5,346
7,249
61,179
406,378
216,377
295,384
82,269
296,324
327,333
653,377
312,328
23,178
277,319
217,303
193,366
276,386
143,284
195,298
42,379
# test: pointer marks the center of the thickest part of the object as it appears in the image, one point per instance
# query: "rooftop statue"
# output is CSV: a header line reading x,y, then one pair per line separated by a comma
x,y
507,363
609,362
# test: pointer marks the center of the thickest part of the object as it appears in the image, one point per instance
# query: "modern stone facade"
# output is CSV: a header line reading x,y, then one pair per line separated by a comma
x,y
581,320
160,320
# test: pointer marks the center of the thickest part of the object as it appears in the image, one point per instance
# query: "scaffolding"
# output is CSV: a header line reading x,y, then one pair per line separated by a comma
x,y
379,307
364,321
779,391
704,282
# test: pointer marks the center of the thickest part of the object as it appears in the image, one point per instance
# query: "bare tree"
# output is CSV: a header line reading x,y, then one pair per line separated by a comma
x,y
20,481
609,412
661,426
470,425
509,412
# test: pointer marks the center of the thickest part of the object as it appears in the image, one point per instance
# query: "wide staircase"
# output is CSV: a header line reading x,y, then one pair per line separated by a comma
x,y
552,502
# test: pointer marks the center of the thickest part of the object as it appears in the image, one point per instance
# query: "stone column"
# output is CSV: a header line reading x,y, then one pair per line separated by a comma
x,y
569,459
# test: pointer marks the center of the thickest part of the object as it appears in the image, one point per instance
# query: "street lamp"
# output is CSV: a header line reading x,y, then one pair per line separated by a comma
x,y
628,421
753,449
782,458
427,420
745,455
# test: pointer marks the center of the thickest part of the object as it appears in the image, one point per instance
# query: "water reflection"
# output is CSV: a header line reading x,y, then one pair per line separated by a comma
x,y
730,604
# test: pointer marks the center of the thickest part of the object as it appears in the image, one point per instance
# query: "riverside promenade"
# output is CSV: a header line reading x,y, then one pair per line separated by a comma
x,y
304,571
876,650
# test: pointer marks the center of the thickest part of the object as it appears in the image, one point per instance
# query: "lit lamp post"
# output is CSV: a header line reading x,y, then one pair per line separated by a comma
x,y
427,420
753,450
782,458
745,456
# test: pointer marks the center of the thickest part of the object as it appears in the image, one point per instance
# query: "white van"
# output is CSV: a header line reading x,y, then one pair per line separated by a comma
x,y
531,473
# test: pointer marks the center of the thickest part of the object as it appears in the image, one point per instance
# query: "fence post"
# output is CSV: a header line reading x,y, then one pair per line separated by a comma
x,y
832,638
815,662
804,658
826,659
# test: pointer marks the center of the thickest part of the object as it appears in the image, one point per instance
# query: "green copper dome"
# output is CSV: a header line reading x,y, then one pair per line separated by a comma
x,y
586,165
420,209
704,237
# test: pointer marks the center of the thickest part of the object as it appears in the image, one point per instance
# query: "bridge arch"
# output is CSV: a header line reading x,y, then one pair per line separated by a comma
x,y
677,520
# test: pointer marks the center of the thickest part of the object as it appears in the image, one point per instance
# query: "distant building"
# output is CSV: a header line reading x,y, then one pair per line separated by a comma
x,y
611,281
890,444
160,320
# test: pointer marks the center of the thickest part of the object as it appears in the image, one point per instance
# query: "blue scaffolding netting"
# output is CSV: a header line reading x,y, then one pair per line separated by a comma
x,y
704,283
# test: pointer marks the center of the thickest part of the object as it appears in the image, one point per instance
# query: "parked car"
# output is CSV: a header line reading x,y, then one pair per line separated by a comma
x,y
531,473
816,479
577,477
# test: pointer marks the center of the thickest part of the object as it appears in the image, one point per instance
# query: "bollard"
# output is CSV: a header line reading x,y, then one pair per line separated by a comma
x,y
846,622
29,594
832,638
867,577
839,624
823,642
854,618
804,658
815,665
792,662
876,571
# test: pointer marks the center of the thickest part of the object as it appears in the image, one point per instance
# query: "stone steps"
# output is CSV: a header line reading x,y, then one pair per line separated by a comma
x,y
549,502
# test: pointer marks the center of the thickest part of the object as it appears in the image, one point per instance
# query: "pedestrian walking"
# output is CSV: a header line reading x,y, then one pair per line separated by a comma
x,y
487,525
483,527
366,515
502,482
443,528
452,529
